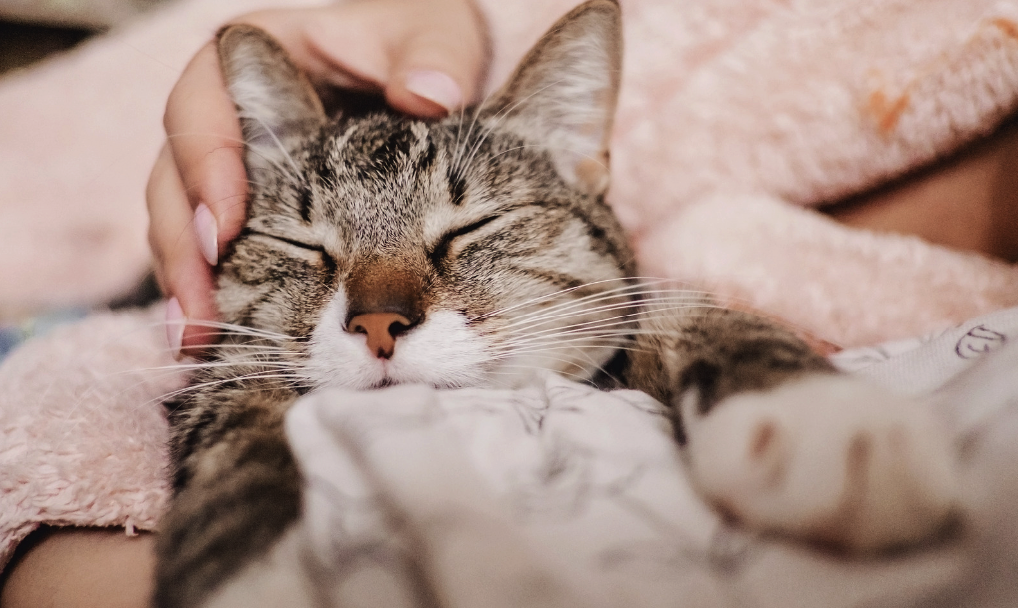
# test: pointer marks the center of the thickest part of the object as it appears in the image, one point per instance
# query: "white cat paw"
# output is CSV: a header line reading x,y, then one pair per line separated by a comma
x,y
829,459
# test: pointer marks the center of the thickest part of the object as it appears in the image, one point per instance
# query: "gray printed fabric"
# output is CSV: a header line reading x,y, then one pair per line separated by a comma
x,y
560,495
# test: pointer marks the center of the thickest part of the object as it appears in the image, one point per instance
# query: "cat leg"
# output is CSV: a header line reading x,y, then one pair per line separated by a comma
x,y
278,578
779,441
827,458
238,490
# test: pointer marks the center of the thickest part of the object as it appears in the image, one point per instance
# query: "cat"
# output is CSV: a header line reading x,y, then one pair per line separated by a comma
x,y
381,249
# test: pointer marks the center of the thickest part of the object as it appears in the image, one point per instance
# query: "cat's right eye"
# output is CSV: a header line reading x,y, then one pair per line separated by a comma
x,y
289,244
288,241
441,250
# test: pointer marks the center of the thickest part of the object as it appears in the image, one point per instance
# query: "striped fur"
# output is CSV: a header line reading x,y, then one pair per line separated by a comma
x,y
486,231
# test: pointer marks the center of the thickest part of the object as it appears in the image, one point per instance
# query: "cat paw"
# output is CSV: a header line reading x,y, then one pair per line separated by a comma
x,y
828,459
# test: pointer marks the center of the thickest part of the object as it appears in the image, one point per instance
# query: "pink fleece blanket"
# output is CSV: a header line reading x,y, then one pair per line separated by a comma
x,y
736,117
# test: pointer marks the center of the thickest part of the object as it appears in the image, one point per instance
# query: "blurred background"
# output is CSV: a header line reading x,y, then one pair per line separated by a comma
x,y
30,30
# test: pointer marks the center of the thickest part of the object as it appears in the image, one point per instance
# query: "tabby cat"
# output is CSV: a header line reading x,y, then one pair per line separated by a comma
x,y
469,251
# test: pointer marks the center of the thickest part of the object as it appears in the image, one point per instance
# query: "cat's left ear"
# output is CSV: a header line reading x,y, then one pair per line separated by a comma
x,y
276,103
564,92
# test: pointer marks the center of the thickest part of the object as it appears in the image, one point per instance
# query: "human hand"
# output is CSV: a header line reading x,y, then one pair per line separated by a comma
x,y
426,56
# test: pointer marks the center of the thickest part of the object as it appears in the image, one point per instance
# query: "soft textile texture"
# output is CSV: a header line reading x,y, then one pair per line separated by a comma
x,y
917,366
90,449
800,103
78,137
82,432
560,495
731,114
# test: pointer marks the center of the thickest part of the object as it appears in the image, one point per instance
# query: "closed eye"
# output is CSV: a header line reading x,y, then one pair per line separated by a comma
x,y
324,255
441,249
283,239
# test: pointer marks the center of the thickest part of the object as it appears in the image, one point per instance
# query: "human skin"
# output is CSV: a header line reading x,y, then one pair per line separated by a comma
x,y
81,568
968,201
426,56
197,189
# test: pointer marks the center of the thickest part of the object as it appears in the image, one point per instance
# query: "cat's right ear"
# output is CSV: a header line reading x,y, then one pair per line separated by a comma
x,y
275,102
564,92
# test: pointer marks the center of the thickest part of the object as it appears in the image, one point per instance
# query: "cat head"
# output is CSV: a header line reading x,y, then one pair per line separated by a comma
x,y
464,251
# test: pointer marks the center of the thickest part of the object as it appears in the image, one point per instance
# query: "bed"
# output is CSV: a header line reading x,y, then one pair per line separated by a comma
x,y
554,494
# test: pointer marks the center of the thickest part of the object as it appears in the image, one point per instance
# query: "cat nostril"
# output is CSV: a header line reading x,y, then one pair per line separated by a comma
x,y
398,328
381,329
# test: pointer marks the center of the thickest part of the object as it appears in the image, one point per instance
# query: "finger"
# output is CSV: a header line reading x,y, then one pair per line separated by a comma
x,y
439,67
204,135
342,46
182,271
427,57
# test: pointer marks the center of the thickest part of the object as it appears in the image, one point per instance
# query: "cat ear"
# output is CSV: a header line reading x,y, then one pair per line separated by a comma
x,y
275,102
564,92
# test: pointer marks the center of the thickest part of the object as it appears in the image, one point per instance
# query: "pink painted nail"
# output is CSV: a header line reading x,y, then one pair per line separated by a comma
x,y
436,87
207,229
175,325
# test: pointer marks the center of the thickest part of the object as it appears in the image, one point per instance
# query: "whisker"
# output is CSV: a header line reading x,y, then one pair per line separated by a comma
x,y
640,288
279,144
281,171
232,329
545,297
547,315
501,115
266,375
598,324
613,321
209,365
477,111
547,347
459,129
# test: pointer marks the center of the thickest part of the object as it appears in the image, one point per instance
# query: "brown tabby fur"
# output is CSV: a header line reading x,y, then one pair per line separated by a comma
x,y
486,217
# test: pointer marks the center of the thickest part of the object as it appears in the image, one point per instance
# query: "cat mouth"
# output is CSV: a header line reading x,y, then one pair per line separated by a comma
x,y
383,383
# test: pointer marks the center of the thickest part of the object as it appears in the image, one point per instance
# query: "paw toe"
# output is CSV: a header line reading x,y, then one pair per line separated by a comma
x,y
829,459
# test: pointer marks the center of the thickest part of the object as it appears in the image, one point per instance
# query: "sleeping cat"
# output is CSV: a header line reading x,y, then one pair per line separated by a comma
x,y
470,251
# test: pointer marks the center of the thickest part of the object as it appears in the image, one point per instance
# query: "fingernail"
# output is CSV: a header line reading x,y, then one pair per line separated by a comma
x,y
174,326
435,87
208,234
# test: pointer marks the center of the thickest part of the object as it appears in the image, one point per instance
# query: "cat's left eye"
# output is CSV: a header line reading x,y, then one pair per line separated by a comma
x,y
441,249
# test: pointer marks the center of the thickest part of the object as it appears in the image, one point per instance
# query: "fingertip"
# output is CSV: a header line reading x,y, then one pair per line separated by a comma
x,y
175,325
437,69
196,337
427,92
207,232
219,201
198,331
186,336
434,87
191,307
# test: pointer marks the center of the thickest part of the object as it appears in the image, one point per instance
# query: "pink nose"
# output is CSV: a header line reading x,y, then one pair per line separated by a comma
x,y
382,329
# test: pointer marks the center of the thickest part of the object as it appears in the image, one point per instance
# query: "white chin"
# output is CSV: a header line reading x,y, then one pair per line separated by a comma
x,y
443,352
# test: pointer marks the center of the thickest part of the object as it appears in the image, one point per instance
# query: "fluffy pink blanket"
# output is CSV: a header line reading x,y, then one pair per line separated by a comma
x,y
736,117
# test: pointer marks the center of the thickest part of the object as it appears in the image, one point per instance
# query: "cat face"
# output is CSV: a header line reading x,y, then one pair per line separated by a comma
x,y
467,251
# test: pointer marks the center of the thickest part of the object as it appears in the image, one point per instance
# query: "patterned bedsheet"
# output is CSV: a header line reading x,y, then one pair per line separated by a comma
x,y
560,495
551,495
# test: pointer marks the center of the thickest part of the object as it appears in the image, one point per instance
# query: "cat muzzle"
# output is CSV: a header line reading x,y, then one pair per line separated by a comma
x,y
381,329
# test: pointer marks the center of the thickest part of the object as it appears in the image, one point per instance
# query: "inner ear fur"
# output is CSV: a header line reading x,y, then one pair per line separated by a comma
x,y
564,92
274,100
